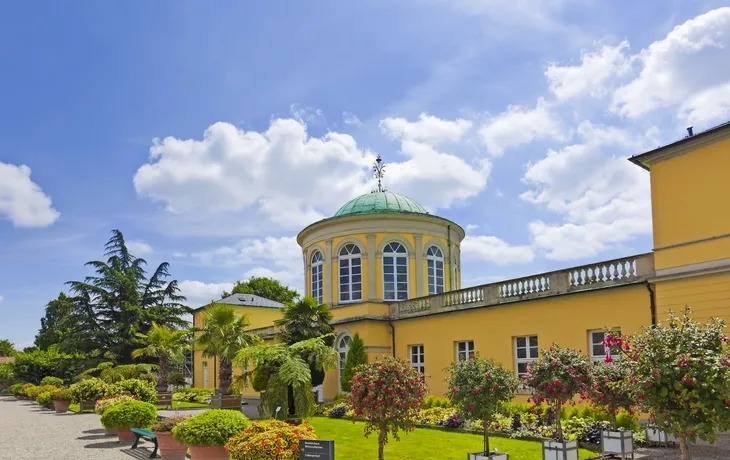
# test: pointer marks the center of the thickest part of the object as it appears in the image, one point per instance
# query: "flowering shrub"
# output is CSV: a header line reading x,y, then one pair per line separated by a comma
x,y
610,389
556,377
110,401
478,387
339,410
90,389
167,424
143,390
387,394
680,371
129,414
435,415
269,440
211,428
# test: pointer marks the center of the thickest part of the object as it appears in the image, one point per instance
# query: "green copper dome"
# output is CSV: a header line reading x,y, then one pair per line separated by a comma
x,y
380,203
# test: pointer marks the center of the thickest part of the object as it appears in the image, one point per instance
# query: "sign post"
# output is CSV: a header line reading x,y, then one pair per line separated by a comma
x,y
310,449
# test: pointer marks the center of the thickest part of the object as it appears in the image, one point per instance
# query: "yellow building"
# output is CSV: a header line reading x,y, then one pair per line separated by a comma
x,y
389,271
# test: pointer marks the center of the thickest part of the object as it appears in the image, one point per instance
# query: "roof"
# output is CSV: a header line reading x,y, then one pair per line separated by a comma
x,y
380,203
644,159
246,300
6,359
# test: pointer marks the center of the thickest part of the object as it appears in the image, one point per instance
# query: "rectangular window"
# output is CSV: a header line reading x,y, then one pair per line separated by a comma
x,y
525,351
317,282
435,276
350,280
395,278
417,356
464,350
598,350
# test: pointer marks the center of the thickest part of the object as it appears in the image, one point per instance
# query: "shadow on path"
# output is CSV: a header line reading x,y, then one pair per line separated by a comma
x,y
95,431
92,437
140,453
104,445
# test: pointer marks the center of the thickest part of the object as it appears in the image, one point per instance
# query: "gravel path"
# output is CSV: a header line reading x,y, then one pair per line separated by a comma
x,y
700,451
28,432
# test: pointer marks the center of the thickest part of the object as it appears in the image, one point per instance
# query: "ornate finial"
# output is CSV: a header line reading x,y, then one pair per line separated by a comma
x,y
379,170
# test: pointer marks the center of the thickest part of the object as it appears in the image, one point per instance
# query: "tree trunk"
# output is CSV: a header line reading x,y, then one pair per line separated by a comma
x,y
290,400
162,375
486,438
558,425
226,376
382,436
684,448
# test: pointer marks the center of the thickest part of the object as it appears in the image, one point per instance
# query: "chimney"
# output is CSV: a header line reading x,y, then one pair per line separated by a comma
x,y
690,133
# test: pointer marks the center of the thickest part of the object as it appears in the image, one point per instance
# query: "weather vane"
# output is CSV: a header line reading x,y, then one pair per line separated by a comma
x,y
379,170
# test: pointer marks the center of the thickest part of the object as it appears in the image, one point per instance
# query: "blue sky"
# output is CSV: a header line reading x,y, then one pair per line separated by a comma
x,y
211,134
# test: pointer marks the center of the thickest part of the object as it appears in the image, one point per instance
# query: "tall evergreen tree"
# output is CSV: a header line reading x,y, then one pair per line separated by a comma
x,y
55,326
119,301
355,357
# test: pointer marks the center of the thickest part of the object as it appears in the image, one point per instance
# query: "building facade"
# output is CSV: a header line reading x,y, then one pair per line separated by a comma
x,y
390,271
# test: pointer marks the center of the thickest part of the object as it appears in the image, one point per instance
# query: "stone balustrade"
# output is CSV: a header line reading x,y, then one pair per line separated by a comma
x,y
627,270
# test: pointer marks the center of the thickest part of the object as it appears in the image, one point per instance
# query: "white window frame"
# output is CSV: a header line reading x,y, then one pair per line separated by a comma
x,y
342,352
349,285
602,357
388,252
432,266
417,355
529,357
317,264
468,352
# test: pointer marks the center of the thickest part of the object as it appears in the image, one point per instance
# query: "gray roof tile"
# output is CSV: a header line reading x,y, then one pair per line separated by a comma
x,y
249,300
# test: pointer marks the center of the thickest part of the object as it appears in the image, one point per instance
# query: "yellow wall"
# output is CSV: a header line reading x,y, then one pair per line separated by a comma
x,y
689,201
708,296
565,320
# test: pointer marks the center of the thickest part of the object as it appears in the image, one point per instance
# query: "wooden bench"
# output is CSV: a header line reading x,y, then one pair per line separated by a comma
x,y
221,401
164,399
139,433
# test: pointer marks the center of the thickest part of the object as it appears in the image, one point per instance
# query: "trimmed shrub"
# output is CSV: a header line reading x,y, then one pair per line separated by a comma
x,y
356,356
432,401
269,439
167,424
339,411
45,399
110,401
53,381
17,389
211,428
91,389
436,416
198,395
143,390
7,375
61,394
129,414
34,391
176,379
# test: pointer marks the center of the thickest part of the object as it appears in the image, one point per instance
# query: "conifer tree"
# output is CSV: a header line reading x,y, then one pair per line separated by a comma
x,y
355,357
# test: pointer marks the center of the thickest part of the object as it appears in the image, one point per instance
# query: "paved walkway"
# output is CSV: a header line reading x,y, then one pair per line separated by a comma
x,y
28,432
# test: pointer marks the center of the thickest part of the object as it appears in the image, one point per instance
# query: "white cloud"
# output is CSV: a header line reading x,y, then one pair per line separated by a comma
x,y
199,293
350,119
428,129
691,60
138,248
520,125
179,255
471,226
590,77
706,106
1,299
493,249
283,251
602,199
22,201
292,179
291,278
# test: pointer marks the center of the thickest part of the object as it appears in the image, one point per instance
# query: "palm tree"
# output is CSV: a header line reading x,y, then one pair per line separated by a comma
x,y
223,335
167,345
289,367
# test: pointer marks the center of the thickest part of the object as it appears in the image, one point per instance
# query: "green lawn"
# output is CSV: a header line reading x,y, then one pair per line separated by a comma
x,y
421,444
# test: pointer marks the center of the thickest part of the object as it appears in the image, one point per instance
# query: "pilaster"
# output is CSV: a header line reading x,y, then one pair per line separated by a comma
x,y
327,273
420,291
371,250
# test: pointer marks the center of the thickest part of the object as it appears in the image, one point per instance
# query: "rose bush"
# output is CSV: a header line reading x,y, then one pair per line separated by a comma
x,y
610,389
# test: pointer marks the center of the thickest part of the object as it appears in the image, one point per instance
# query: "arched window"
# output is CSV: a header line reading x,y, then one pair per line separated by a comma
x,y
395,272
435,261
317,276
350,274
343,348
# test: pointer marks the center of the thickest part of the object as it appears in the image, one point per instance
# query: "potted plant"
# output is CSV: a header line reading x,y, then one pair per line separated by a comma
x,y
272,439
86,392
478,387
142,390
556,377
61,400
206,434
129,414
610,391
170,448
44,399
107,402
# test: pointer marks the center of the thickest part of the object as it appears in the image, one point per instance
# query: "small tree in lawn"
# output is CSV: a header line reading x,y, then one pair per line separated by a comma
x,y
356,356
478,387
556,378
387,394
610,389
680,371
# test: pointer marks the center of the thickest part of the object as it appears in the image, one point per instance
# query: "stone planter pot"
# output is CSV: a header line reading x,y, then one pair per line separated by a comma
x,y
553,450
110,431
169,447
87,405
208,453
125,436
657,436
61,406
617,443
487,456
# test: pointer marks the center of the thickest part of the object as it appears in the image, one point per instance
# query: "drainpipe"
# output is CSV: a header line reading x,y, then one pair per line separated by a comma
x,y
215,372
652,303
451,263
392,337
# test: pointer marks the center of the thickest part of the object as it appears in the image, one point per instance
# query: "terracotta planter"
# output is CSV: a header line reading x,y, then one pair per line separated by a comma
x,y
61,406
208,453
110,431
170,448
125,436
